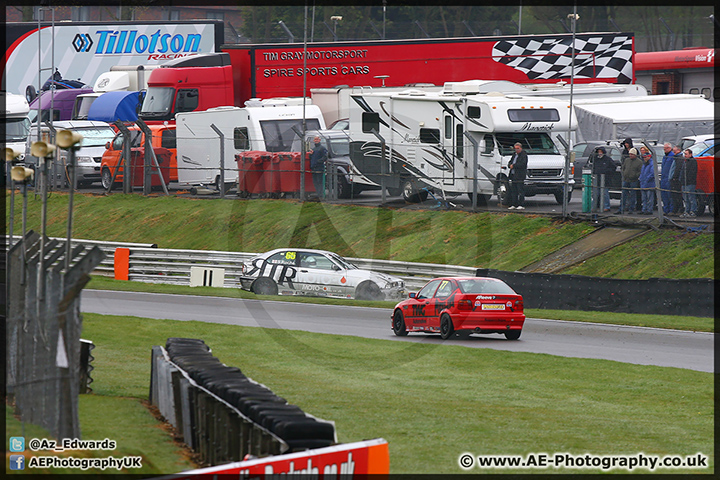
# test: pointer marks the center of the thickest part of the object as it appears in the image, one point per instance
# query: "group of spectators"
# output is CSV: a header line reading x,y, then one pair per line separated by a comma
x,y
678,178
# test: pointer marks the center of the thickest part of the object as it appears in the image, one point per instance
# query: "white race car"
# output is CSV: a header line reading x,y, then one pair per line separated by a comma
x,y
293,271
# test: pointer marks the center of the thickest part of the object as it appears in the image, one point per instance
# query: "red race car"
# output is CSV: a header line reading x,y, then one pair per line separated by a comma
x,y
461,305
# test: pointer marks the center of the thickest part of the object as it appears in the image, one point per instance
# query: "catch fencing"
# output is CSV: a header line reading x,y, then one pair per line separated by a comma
x,y
47,362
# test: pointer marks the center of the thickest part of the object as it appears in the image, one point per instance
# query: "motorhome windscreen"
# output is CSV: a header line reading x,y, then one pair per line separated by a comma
x,y
533,143
16,129
534,115
158,101
340,146
279,134
83,107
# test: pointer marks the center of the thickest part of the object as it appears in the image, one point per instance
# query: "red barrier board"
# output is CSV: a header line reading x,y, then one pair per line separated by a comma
x,y
352,460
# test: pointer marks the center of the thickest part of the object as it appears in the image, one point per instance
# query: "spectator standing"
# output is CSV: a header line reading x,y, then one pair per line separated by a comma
x,y
631,167
628,144
688,179
518,171
317,165
602,167
675,182
668,161
647,181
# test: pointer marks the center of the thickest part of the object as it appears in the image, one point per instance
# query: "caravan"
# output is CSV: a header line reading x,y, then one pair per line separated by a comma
x,y
442,141
267,125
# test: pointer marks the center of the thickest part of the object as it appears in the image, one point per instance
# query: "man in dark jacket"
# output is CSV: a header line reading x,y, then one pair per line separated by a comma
x,y
518,171
675,182
688,179
667,163
317,165
602,167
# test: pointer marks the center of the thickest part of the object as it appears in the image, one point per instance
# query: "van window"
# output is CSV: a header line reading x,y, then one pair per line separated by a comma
x,y
534,115
430,135
186,100
448,126
279,134
240,138
168,139
135,139
459,150
473,112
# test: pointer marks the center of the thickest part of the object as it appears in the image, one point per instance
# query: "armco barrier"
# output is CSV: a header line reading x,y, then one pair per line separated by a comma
x,y
222,414
659,296
694,297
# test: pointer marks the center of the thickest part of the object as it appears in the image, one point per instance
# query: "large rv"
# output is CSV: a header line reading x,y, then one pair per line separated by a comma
x,y
268,125
427,145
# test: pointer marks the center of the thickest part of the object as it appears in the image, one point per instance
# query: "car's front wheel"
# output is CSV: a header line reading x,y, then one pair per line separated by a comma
x,y
264,286
399,324
368,290
513,334
446,327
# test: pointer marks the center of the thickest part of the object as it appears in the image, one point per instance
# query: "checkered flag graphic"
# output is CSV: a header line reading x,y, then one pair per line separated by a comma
x,y
600,56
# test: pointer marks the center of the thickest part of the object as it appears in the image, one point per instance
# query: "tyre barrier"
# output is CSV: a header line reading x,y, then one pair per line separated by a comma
x,y
222,414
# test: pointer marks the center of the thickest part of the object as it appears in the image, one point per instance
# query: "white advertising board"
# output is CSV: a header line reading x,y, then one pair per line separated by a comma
x,y
84,51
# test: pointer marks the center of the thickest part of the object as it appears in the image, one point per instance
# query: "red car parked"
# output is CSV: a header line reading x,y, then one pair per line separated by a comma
x,y
461,305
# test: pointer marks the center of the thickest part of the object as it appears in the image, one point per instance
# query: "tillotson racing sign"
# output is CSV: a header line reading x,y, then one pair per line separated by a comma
x,y
83,51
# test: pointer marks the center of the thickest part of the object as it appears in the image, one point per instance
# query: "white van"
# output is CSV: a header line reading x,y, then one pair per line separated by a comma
x,y
268,125
15,122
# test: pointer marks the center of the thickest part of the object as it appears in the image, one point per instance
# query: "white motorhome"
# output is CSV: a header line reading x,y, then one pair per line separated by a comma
x,y
427,146
267,125
15,121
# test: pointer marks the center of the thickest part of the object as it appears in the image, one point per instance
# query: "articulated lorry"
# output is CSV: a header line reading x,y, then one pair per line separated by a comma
x,y
243,72
445,141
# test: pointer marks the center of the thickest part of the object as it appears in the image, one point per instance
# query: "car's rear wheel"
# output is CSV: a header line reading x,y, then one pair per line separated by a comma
x,y
446,327
264,286
512,334
399,324
368,290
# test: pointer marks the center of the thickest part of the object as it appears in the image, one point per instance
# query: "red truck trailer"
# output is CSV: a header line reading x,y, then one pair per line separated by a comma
x,y
277,70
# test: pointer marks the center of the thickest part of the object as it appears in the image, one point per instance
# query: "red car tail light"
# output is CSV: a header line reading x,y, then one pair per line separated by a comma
x,y
519,304
465,305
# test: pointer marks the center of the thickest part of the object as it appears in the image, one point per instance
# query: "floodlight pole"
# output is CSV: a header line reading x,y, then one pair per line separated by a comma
x,y
566,186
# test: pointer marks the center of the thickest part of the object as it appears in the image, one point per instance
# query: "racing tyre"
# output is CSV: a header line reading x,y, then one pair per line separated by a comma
x,y
368,290
446,327
512,334
411,194
559,196
394,192
398,324
264,286
106,179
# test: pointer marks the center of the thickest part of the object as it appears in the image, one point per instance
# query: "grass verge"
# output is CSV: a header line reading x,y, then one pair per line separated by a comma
x,y
484,240
431,402
697,324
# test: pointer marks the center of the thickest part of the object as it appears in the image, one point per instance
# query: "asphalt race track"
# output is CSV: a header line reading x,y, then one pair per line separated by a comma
x,y
639,345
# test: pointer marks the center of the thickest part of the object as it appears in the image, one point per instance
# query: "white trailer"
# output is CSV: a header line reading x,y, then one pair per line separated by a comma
x,y
15,121
267,125
427,145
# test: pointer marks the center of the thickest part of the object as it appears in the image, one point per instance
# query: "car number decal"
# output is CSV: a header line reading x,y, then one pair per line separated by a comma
x,y
290,255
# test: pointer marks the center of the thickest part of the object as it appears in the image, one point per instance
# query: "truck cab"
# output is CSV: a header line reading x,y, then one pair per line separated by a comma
x,y
188,84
